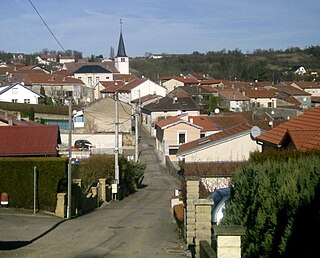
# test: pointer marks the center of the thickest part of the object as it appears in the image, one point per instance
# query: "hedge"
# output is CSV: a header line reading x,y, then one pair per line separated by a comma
x,y
17,179
276,196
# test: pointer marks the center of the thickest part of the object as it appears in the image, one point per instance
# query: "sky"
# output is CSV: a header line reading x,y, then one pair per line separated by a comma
x,y
159,26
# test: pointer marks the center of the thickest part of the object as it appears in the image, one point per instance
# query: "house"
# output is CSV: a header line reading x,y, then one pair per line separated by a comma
x,y
233,100
96,123
135,89
9,118
312,88
66,59
172,82
91,75
298,69
30,68
166,107
198,93
172,132
31,140
299,133
19,93
233,144
302,96
261,97
55,86
198,76
47,59
99,116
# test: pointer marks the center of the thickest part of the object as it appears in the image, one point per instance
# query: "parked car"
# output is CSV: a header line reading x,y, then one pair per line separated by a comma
x,y
220,199
83,144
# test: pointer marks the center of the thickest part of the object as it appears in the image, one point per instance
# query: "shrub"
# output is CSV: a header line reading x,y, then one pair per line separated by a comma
x,y
269,195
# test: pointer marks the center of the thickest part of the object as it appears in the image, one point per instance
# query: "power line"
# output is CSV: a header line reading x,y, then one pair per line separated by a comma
x,y
47,26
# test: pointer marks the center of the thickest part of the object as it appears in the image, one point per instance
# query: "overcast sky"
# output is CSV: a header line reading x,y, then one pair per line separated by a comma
x,y
159,26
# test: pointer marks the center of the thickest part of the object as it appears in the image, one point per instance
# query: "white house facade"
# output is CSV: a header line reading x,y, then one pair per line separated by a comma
x,y
18,93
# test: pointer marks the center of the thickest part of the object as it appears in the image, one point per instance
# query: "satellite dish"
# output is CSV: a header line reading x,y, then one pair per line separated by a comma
x,y
255,131
217,111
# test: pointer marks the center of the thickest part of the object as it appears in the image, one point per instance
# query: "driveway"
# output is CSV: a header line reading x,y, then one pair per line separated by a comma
x,y
141,225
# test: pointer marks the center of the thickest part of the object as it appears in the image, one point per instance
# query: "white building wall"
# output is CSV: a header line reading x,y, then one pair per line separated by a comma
x,y
20,94
147,88
238,149
102,143
92,80
264,101
122,64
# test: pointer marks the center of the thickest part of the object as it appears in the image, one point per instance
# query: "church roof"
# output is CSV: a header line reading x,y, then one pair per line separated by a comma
x,y
121,48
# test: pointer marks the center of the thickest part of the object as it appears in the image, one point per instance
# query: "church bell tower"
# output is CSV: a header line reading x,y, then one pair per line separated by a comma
x,y
121,59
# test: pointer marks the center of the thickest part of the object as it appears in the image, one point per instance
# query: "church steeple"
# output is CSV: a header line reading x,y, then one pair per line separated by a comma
x,y
121,48
121,59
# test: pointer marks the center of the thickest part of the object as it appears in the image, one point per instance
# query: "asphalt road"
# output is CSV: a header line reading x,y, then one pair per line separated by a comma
x,y
141,225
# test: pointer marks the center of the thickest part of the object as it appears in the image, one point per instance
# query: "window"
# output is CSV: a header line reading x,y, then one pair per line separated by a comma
x,y
202,135
90,81
182,137
14,100
97,79
123,59
269,104
304,99
27,101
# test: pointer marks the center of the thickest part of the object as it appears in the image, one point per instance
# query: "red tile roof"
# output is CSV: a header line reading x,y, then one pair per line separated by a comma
x,y
171,121
111,86
213,138
124,77
307,85
205,122
260,93
308,121
43,78
227,121
290,90
233,95
29,140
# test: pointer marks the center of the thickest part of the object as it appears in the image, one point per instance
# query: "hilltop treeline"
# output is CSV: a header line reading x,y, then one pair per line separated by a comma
x,y
263,65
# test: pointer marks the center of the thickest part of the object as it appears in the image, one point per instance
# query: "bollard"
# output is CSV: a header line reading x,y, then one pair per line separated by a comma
x,y
4,200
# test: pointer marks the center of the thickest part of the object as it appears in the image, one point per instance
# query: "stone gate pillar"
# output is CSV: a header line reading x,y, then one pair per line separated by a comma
x,y
192,188
203,221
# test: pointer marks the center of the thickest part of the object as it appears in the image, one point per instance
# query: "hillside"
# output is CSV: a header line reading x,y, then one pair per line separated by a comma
x,y
262,65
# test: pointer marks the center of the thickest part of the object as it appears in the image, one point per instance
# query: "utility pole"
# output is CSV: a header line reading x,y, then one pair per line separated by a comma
x,y
136,156
116,149
70,158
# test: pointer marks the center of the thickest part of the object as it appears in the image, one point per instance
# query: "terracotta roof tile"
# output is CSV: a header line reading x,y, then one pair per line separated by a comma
x,y
111,86
290,90
307,85
308,121
43,78
168,121
231,94
227,121
205,122
260,93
